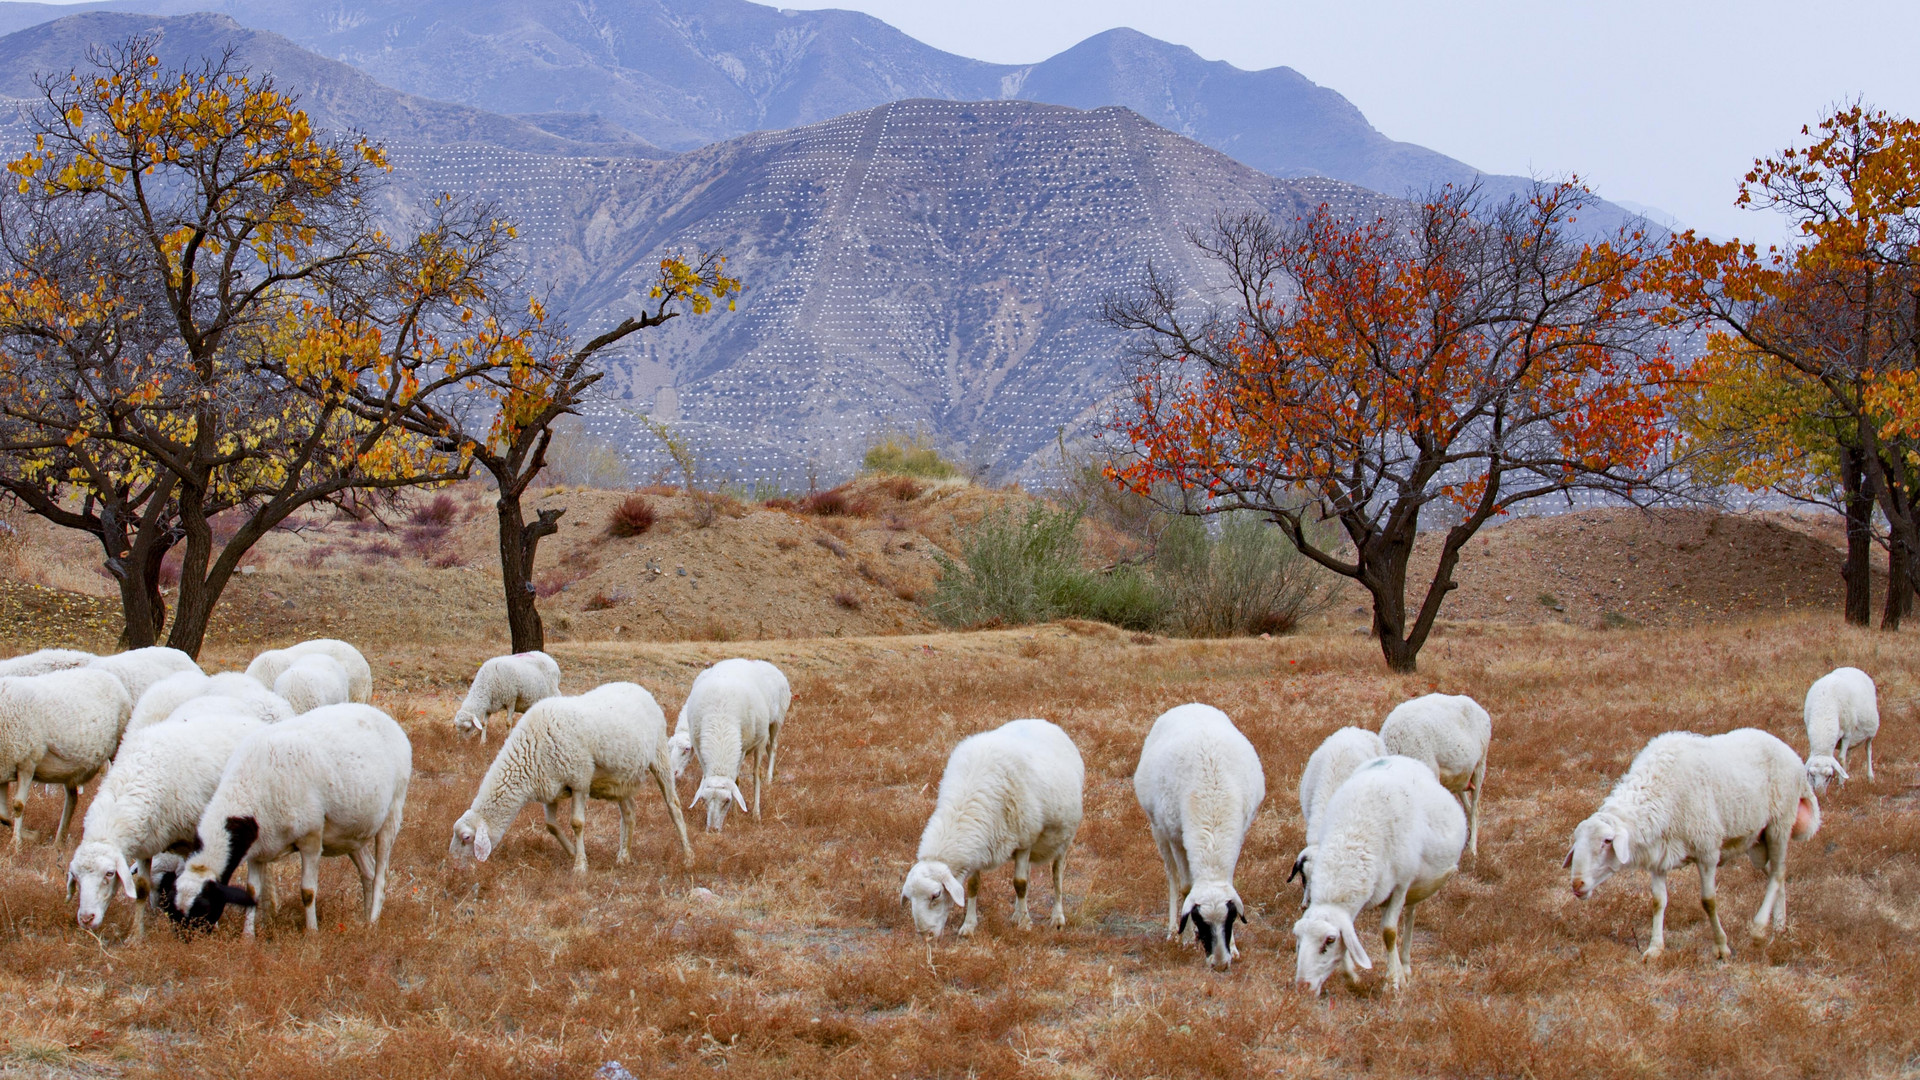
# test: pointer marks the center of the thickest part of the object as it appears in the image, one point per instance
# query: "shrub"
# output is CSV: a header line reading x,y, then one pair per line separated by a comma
x,y
901,488
908,457
632,517
847,600
441,512
832,502
1247,579
1015,570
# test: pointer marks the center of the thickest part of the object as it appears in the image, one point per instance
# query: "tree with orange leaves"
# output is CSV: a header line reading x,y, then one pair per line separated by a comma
x,y
1838,309
1461,359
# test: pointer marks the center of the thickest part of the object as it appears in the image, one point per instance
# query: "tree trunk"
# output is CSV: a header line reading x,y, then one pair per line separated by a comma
x,y
519,544
1899,584
1857,571
1384,573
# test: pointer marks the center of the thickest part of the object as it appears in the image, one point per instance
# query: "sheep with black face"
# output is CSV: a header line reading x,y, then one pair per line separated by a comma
x,y
1200,783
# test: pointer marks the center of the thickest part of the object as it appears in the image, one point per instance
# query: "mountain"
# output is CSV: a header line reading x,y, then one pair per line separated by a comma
x,y
684,73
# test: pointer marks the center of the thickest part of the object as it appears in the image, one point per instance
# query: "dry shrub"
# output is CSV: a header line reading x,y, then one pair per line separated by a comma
x,y
315,558
447,559
601,599
847,600
900,488
426,541
833,502
559,579
830,544
378,548
873,573
708,507
658,490
786,543
442,512
633,517
713,628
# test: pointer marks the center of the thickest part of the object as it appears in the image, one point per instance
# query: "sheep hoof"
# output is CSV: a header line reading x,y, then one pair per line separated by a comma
x,y
1059,921
1654,952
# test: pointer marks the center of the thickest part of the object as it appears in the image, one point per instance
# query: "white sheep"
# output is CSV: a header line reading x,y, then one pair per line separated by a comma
x,y
312,680
1697,799
1010,793
1842,712
59,728
1200,783
139,669
773,684
267,666
1392,837
513,683
1449,733
602,744
164,699
1335,759
149,802
329,782
44,660
729,714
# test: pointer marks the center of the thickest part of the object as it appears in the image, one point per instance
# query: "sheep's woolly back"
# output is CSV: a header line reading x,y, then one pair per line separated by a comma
x,y
727,718
165,696
1449,733
603,741
267,666
1841,705
161,780
1200,783
1390,823
768,679
70,720
45,660
1686,795
139,669
516,682
1017,786
313,680
235,694
1332,763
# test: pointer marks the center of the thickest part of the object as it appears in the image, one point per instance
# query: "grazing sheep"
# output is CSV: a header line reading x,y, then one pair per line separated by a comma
x,y
601,744
150,802
329,782
1448,733
1010,793
268,665
772,682
1332,762
513,683
1697,799
45,660
139,669
1392,837
1842,712
58,728
230,689
312,680
1200,783
729,714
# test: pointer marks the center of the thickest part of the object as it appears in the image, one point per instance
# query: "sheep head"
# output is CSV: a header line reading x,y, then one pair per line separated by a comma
x,y
1324,939
96,868
1823,769
679,752
1601,846
932,890
719,793
466,722
1213,910
200,892
471,837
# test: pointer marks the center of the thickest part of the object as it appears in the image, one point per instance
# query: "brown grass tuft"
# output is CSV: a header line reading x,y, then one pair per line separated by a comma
x,y
633,517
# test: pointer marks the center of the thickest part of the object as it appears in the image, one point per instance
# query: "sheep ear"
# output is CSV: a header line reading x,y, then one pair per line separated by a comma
x,y
73,885
1567,863
1184,916
126,875
234,894
956,890
1621,845
1299,869
482,843
739,799
1354,949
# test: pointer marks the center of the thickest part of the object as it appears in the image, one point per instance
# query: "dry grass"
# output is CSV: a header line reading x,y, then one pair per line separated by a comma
x,y
801,964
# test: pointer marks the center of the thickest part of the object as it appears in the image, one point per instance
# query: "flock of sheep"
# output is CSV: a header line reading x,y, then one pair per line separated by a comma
x,y
205,773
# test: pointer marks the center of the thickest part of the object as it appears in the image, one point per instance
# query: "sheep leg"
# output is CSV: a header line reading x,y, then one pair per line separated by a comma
x,y
1059,919
773,749
310,880
1657,939
580,830
1406,938
1478,790
1773,905
660,777
622,856
1176,889
1390,933
363,862
72,794
759,758
1869,761
17,799
1021,860
973,905
1710,903
553,826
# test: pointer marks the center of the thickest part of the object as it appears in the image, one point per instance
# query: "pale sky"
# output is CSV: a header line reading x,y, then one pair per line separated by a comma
x,y
1662,103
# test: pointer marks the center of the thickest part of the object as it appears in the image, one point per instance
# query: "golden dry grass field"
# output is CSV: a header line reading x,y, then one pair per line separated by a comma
x,y
797,960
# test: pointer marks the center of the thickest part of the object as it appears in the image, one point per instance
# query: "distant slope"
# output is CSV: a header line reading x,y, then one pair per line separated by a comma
x,y
685,73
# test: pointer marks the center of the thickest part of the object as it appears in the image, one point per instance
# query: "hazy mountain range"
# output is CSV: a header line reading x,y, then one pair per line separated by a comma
x,y
926,239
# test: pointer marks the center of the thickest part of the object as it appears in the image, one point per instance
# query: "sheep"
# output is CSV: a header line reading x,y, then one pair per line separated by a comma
x,y
1696,798
149,802
312,680
1842,712
230,689
45,660
1450,735
1392,837
601,744
139,669
512,683
1332,762
268,665
329,782
1010,793
1200,784
59,728
772,682
729,714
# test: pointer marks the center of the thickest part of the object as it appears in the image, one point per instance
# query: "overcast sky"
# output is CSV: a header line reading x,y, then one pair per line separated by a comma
x,y
1662,103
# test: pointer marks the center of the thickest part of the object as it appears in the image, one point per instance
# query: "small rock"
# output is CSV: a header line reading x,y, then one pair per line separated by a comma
x,y
249,570
681,570
705,895
613,1070
1266,637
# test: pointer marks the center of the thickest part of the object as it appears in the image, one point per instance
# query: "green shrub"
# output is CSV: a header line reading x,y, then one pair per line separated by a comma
x,y
908,457
1246,579
1015,569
